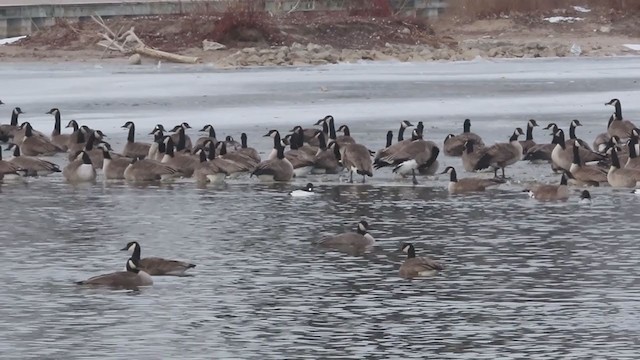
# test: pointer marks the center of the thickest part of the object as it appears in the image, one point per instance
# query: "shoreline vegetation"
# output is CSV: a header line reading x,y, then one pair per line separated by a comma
x,y
243,36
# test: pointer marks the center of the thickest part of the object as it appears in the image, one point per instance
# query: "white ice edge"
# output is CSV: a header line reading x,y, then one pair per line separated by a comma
x,y
11,40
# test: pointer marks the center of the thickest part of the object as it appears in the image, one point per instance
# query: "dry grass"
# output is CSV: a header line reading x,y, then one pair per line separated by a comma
x,y
246,21
482,9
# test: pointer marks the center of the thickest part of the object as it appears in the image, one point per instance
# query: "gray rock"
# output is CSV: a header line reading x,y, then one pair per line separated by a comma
x,y
135,59
314,47
297,46
253,60
319,62
250,50
298,55
212,45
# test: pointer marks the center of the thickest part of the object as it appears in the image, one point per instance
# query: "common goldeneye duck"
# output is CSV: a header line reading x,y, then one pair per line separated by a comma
x,y
306,191
636,191
585,197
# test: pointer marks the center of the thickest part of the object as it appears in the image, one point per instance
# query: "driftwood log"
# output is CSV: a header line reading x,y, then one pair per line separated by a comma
x,y
129,43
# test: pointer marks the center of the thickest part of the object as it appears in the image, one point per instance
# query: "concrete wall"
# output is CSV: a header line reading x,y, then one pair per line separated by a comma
x,y
16,20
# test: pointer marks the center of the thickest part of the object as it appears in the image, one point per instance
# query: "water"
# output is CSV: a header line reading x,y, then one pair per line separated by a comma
x,y
523,279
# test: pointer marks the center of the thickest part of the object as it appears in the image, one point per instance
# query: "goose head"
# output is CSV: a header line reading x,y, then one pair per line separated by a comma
x,y
575,123
363,227
405,124
17,111
532,123
132,265
612,102
272,133
131,246
128,125
53,111
73,124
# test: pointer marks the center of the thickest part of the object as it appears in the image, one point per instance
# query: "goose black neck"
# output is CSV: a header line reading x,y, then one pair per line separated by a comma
x,y
420,128
529,132
293,142
16,151
411,252
618,111
332,129
158,136
89,145
276,141
212,150
136,253
563,180
611,118
223,149
559,139
203,156
467,126
80,138
632,148
401,133
346,130
169,148
85,158
105,154
325,128
212,132
572,132
28,130
615,162
57,126
576,155
514,137
243,139
322,141
182,140
131,137
389,138
336,151
280,152
14,118
453,177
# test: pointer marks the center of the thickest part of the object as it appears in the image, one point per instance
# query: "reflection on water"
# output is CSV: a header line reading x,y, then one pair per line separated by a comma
x,y
522,278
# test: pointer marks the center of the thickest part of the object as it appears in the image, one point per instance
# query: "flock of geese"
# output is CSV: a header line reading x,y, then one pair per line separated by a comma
x,y
611,159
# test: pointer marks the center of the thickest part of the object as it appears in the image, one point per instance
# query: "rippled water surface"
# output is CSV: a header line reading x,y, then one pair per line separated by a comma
x,y
523,280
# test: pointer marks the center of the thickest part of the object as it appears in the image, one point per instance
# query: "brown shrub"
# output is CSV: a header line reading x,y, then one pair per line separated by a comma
x,y
245,21
370,8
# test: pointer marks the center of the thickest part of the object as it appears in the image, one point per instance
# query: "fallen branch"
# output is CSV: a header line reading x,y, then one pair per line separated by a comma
x,y
129,43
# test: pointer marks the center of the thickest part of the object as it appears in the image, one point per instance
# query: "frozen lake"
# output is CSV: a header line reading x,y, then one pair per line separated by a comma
x,y
523,279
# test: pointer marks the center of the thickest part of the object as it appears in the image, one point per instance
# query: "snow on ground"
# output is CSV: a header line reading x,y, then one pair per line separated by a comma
x,y
559,19
11,40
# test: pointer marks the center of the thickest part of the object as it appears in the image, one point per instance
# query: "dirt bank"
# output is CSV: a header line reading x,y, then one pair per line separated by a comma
x,y
253,39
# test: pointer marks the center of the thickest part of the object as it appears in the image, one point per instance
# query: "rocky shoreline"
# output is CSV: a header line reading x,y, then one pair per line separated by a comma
x,y
314,54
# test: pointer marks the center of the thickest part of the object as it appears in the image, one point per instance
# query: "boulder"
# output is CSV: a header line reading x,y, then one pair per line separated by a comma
x,y
314,47
212,45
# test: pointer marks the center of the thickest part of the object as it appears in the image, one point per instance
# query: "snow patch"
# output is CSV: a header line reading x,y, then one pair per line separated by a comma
x,y
11,40
635,47
559,19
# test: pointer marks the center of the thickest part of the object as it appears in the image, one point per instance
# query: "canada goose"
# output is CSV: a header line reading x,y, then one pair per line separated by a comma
x,y
351,241
355,158
346,138
232,145
8,168
457,186
184,163
154,148
301,161
528,142
585,197
211,136
622,149
309,135
113,169
248,151
475,159
619,177
32,165
144,170
8,130
310,150
410,158
304,192
562,154
78,145
326,159
633,162
432,166
234,163
80,170
502,155
417,266
277,142
390,148
132,279
73,138
58,139
387,145
454,144
600,142
585,174
90,148
278,169
181,143
618,126
178,134
572,134
132,148
550,192
33,145
209,171
157,266
542,152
